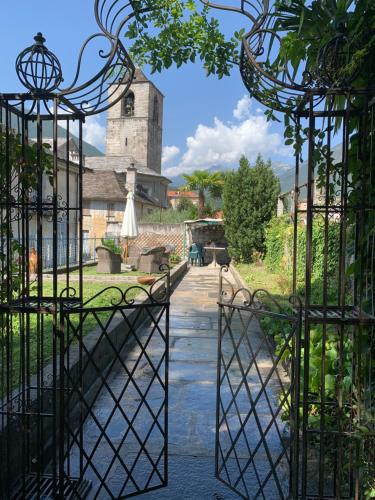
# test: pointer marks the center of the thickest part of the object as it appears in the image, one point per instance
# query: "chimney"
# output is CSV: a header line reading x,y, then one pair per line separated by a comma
x,y
131,178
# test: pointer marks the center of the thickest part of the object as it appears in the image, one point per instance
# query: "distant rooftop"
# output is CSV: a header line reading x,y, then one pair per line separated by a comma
x,y
110,186
119,164
182,194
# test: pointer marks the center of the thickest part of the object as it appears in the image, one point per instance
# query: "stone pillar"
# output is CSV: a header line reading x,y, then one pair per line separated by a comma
x,y
280,207
131,178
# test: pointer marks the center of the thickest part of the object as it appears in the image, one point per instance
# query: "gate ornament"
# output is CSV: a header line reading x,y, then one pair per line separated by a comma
x,y
38,68
274,82
332,58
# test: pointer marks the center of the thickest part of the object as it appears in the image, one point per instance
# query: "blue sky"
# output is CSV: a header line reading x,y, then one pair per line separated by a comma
x,y
206,121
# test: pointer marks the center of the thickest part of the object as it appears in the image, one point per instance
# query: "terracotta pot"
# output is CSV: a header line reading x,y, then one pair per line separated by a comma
x,y
146,280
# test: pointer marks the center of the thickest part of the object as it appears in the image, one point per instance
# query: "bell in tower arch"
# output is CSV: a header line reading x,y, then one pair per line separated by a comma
x,y
128,104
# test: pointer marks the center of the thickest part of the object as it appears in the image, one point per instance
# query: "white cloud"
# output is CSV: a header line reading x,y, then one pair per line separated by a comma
x,y
223,144
242,110
169,154
93,132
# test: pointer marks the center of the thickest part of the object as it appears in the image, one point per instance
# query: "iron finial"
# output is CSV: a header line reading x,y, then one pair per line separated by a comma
x,y
38,68
39,39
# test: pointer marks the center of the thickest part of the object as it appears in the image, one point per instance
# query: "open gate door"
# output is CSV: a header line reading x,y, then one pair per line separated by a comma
x,y
256,394
115,404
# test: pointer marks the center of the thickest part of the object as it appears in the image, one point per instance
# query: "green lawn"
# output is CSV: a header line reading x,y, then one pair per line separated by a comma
x,y
32,337
91,288
91,271
256,276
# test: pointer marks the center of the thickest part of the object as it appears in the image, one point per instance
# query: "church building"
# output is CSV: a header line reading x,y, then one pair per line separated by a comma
x,y
132,162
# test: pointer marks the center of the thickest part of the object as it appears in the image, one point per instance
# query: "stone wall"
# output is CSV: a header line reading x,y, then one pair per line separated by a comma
x,y
157,235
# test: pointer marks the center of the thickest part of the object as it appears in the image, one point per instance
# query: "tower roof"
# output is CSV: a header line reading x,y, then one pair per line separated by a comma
x,y
139,76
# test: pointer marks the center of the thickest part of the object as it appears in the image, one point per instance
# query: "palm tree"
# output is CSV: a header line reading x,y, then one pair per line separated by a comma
x,y
203,181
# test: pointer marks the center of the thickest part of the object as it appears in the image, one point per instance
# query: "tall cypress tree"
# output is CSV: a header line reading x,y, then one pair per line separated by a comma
x,y
250,199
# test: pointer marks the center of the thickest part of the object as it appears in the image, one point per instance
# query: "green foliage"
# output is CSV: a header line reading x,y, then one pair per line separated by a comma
x,y
167,32
250,199
184,205
174,258
169,216
204,182
279,254
112,245
21,167
332,355
192,213
311,25
324,358
279,241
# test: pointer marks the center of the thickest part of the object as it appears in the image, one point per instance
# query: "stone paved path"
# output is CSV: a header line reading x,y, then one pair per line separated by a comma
x,y
192,391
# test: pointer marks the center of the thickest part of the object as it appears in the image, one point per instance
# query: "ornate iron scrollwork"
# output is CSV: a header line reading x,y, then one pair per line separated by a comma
x,y
274,82
39,69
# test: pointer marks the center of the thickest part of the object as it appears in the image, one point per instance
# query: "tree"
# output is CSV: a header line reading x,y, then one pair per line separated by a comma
x,y
184,204
167,32
250,199
203,181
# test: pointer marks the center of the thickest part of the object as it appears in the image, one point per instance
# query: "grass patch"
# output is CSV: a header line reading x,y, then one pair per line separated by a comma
x,y
91,271
256,276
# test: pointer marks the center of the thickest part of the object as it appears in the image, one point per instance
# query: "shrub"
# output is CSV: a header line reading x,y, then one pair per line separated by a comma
x,y
184,205
170,216
174,258
112,245
279,254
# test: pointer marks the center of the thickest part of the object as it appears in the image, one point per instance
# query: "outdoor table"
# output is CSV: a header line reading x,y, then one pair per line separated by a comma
x,y
214,250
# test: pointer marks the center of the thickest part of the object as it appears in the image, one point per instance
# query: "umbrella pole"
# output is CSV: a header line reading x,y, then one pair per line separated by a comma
x,y
127,251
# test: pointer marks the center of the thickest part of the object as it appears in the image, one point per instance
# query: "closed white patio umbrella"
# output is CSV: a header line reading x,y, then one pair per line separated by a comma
x,y
129,228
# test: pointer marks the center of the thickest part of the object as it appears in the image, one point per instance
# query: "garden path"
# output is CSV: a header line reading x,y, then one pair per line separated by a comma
x,y
192,390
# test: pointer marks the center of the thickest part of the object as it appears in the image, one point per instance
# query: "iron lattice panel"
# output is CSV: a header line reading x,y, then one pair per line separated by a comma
x,y
44,487
116,430
253,445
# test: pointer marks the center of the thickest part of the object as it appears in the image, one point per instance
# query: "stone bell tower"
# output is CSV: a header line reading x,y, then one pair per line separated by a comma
x,y
134,125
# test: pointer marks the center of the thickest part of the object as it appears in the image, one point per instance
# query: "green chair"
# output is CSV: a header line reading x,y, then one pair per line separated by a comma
x,y
196,255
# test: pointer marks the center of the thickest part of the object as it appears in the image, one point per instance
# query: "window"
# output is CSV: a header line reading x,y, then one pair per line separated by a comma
x,y
126,141
156,109
113,230
86,209
110,210
128,105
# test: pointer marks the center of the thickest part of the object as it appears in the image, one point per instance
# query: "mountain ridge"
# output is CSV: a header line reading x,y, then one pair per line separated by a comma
x,y
88,149
280,169
284,171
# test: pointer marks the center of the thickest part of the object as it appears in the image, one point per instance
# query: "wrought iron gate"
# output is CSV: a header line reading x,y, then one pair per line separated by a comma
x,y
115,403
257,390
83,382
